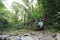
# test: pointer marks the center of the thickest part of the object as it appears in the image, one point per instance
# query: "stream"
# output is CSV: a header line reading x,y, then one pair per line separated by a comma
x,y
37,36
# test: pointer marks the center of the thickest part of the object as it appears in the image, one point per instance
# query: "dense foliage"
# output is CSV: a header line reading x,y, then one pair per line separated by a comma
x,y
46,13
52,14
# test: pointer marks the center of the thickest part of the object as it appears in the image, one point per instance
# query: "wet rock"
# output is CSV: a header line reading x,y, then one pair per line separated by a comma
x,y
14,38
32,33
58,36
3,37
55,39
0,38
54,35
26,35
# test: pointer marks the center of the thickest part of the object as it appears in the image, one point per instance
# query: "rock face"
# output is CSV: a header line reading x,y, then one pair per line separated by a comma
x,y
31,37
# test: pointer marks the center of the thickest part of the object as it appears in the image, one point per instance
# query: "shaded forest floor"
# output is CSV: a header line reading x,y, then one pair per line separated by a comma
x,y
24,31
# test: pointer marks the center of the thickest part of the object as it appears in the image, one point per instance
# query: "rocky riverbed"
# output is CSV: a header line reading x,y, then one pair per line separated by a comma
x,y
32,36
